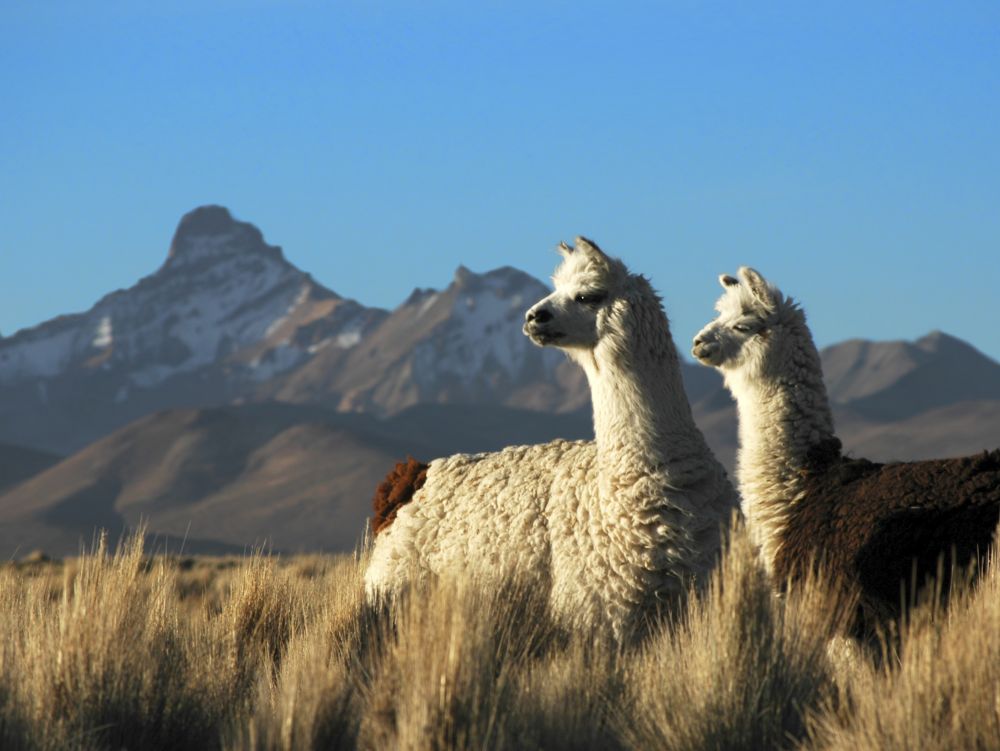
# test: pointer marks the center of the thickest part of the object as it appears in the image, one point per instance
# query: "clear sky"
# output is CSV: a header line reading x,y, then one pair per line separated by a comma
x,y
850,151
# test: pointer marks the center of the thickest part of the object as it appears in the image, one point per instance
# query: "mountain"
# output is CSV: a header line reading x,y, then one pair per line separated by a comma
x,y
225,312
899,380
226,319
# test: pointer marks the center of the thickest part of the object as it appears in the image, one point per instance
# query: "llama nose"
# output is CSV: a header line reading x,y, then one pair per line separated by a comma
x,y
538,316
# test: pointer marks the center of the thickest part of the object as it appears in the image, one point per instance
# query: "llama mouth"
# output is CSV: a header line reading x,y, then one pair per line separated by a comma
x,y
543,337
705,353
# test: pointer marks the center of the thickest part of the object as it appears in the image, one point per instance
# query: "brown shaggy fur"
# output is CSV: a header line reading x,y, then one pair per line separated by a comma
x,y
883,527
396,490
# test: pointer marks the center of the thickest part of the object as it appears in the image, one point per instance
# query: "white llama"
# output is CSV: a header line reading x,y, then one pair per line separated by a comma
x,y
614,529
878,528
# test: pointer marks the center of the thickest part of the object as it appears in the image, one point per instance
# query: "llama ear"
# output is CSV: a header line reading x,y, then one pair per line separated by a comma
x,y
564,250
759,287
590,248
728,281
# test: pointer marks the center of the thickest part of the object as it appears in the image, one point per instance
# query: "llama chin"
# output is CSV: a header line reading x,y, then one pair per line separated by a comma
x,y
616,530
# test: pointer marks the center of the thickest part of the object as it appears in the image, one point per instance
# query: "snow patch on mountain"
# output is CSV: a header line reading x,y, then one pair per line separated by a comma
x,y
103,335
37,354
349,339
276,360
278,322
426,304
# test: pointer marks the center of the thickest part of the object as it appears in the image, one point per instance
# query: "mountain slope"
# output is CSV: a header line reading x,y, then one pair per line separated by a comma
x,y
18,463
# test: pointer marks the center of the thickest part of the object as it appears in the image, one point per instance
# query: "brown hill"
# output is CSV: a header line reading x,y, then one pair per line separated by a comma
x,y
297,478
18,463
888,381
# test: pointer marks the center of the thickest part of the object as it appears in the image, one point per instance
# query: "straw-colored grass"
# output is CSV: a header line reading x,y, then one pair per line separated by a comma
x,y
941,692
118,650
741,669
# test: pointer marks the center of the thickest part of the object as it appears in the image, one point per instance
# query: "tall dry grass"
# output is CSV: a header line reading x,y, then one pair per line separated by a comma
x,y
118,650
742,669
106,662
942,691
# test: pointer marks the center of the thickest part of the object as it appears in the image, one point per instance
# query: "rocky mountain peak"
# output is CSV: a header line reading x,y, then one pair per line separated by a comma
x,y
464,277
211,231
938,342
505,281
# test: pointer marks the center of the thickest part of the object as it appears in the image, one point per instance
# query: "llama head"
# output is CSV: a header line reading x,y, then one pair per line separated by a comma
x,y
753,324
592,293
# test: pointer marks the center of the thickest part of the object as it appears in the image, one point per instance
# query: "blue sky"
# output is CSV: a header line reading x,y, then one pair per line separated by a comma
x,y
850,151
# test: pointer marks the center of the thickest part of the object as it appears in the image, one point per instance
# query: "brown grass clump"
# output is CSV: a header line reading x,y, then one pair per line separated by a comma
x,y
569,700
941,691
258,617
318,698
447,679
108,664
741,669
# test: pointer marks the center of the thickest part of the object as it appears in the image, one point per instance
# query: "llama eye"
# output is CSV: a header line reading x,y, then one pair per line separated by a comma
x,y
590,298
742,328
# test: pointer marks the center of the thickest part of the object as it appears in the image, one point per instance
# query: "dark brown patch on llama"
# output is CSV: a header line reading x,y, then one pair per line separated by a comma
x,y
884,528
396,490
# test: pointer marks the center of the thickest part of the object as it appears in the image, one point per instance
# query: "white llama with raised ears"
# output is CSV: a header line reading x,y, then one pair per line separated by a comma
x,y
874,526
616,529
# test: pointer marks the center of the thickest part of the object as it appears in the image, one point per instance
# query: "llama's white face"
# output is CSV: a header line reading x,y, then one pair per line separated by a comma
x,y
739,337
587,285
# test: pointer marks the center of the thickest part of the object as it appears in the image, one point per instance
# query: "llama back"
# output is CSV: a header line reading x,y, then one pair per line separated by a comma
x,y
888,524
484,514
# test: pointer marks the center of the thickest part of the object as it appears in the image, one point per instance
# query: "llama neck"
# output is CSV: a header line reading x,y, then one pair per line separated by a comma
x,y
784,423
653,516
643,425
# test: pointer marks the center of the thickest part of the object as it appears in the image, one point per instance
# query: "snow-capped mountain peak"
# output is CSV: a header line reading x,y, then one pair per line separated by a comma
x,y
225,309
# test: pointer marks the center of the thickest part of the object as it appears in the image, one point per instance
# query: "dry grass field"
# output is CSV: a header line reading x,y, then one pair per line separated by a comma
x,y
117,650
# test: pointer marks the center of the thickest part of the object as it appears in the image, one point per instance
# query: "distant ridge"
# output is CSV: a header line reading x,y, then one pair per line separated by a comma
x,y
898,380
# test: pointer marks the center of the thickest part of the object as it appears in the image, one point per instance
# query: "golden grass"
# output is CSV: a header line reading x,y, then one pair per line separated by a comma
x,y
941,692
117,650
741,668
